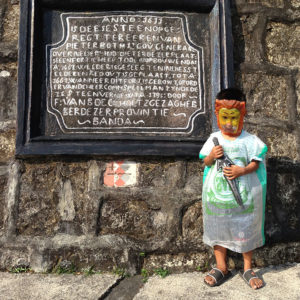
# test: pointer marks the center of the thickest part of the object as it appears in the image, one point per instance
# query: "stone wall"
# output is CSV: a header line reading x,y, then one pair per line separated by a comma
x,y
57,210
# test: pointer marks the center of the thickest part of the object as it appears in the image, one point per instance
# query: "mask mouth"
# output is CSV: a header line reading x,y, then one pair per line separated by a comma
x,y
229,128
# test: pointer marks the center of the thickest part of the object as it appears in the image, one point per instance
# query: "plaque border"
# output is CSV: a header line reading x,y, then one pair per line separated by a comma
x,y
28,145
153,130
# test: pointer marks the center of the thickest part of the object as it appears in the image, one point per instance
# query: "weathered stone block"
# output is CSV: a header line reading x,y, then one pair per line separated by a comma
x,y
100,258
295,3
7,144
180,262
39,198
94,176
10,256
283,204
194,177
281,143
192,224
58,198
266,95
267,255
163,174
282,42
73,197
298,94
3,192
272,3
40,254
152,217
190,237
130,216
9,70
8,96
8,51
277,254
2,13
267,3
70,205
11,23
246,39
85,183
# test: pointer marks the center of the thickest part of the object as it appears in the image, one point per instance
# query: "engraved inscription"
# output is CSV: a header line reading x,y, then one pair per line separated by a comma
x,y
125,73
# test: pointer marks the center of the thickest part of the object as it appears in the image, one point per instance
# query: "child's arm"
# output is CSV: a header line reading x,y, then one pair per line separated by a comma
x,y
215,153
235,171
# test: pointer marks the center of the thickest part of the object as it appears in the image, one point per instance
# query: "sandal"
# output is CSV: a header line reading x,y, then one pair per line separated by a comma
x,y
218,276
248,276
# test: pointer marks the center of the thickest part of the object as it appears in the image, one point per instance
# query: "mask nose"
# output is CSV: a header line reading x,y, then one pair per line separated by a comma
x,y
228,122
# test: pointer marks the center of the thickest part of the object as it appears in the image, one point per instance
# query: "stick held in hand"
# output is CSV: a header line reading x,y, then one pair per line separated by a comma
x,y
225,161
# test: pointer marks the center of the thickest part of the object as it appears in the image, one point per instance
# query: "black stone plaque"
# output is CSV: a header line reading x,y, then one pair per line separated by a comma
x,y
93,80
125,73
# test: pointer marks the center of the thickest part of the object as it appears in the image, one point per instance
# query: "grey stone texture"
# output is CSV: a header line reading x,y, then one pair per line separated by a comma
x,y
8,97
8,51
262,92
273,3
46,287
58,210
39,198
105,253
283,211
280,283
11,22
281,143
177,262
282,42
132,217
295,3
7,149
57,196
3,191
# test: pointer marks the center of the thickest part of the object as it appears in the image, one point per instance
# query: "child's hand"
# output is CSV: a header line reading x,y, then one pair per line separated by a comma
x,y
233,171
217,152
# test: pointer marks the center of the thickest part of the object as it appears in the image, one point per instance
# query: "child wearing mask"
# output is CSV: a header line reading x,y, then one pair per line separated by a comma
x,y
229,223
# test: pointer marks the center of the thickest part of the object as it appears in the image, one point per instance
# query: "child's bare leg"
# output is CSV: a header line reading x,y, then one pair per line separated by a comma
x,y
220,254
255,283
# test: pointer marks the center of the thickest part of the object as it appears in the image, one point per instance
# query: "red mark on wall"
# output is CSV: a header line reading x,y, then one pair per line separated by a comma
x,y
120,174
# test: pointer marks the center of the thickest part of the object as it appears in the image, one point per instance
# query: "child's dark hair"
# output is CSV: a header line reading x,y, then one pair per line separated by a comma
x,y
231,94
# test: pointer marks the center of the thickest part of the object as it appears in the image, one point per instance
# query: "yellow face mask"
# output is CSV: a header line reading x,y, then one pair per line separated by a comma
x,y
230,116
229,120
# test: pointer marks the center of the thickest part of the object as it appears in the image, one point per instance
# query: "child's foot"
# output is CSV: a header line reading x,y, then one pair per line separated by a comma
x,y
252,279
216,277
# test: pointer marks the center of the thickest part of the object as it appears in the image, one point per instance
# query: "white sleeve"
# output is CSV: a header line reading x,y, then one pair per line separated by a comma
x,y
256,149
207,147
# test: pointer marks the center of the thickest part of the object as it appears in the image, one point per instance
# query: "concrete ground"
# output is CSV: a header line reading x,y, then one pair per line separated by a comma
x,y
281,282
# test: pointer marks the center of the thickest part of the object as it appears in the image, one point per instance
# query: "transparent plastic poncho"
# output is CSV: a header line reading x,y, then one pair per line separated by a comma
x,y
225,222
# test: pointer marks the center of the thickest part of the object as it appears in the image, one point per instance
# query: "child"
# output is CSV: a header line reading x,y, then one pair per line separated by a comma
x,y
228,225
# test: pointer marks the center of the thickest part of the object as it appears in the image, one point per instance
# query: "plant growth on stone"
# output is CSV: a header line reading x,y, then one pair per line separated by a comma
x,y
162,272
